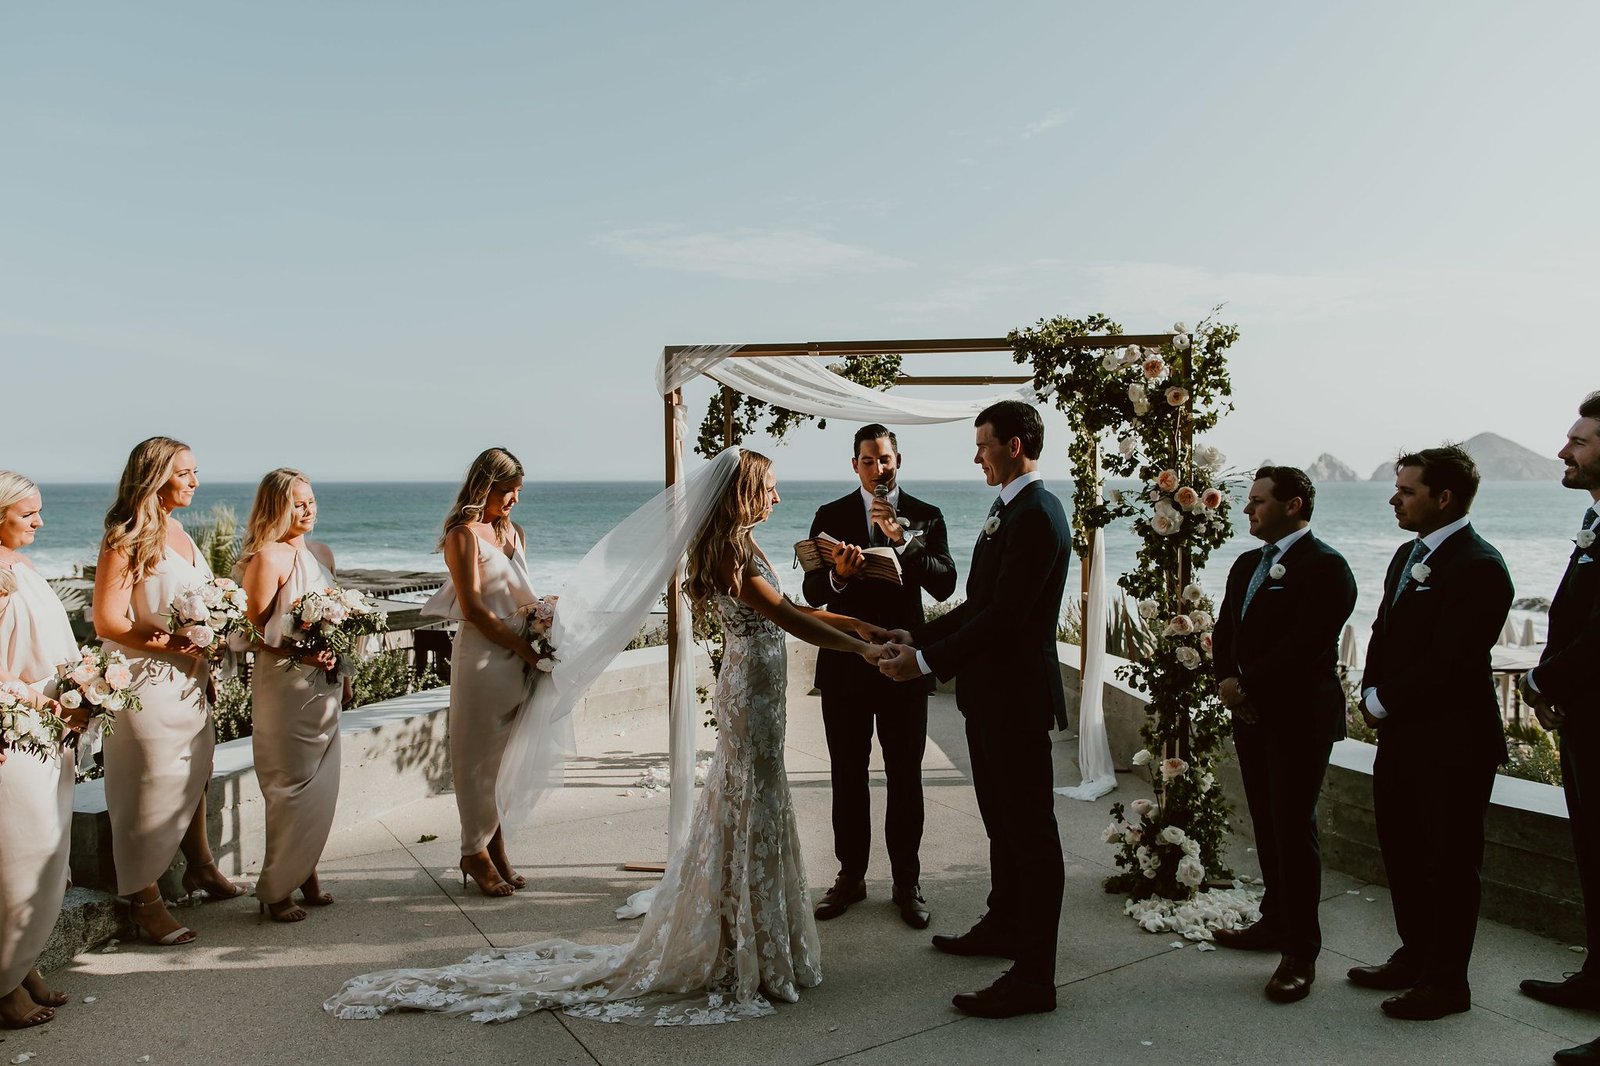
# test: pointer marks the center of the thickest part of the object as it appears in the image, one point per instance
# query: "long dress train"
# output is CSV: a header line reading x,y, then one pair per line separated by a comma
x,y
35,795
295,725
730,927
158,760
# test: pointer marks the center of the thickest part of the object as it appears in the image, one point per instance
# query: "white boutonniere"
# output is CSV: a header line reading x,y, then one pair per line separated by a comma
x,y
1585,539
1277,572
903,523
1420,573
992,526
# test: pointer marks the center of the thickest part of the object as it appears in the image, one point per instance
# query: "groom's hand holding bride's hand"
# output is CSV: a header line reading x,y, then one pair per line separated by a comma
x,y
901,661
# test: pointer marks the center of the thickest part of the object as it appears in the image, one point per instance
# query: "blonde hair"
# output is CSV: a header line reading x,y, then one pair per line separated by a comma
x,y
14,488
272,511
727,533
490,468
135,524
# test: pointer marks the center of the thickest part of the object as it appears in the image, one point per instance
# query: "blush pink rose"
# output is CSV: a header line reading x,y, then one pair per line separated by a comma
x,y
1167,481
1186,498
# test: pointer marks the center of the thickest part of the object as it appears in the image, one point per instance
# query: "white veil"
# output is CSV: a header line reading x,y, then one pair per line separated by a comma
x,y
602,607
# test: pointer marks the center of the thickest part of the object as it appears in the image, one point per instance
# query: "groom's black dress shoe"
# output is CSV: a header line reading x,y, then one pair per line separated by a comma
x,y
913,908
1578,990
845,891
1255,937
1589,1052
1390,977
1425,1003
1007,998
1291,982
979,940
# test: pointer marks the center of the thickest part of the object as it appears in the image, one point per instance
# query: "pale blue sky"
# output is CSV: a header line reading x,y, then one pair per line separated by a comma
x,y
369,238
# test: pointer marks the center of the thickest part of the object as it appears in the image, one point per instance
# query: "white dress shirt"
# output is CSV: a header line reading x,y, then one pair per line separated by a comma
x,y
1369,698
1007,494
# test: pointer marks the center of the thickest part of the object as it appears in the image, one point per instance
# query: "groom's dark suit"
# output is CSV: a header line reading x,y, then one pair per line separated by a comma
x,y
1284,651
1568,675
1438,745
855,694
1000,646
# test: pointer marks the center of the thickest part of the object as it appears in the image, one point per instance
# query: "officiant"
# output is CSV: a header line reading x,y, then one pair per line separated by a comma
x,y
858,701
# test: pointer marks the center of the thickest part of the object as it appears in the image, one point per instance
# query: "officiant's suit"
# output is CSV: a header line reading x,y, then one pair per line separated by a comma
x,y
1000,646
1283,647
856,698
1440,739
1568,675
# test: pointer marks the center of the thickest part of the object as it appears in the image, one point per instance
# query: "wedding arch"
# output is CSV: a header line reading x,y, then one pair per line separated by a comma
x,y
1152,393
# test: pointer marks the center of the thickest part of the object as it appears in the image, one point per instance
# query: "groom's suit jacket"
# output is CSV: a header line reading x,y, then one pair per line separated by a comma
x,y
924,564
1569,670
1285,648
1000,643
1429,653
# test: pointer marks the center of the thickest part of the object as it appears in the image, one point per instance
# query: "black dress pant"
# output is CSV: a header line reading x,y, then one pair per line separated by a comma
x,y
1580,778
1013,778
900,719
1430,828
1282,778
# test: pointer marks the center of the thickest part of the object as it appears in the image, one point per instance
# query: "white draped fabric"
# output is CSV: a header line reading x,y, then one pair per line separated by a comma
x,y
1098,772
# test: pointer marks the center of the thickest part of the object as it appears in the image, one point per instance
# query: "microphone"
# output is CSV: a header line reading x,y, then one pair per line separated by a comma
x,y
881,491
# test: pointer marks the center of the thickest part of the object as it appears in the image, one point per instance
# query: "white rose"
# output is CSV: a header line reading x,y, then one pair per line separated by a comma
x,y
1180,626
1276,572
1208,458
1202,619
1190,872
1165,525
1172,835
1148,610
1112,834
1193,593
1420,573
992,526
212,595
1141,407
1111,360
1141,757
1141,807
1180,342
1188,658
238,599
1191,847
1126,446
547,664
1179,327
1585,539
97,692
199,636
115,702
1131,355
72,699
1208,781
84,675
1136,393
310,612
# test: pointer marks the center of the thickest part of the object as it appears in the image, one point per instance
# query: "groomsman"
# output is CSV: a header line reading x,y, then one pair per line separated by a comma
x,y
856,698
1000,646
1564,690
1429,691
1276,651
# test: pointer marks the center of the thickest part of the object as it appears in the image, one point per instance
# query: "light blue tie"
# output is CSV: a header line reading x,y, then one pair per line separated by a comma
x,y
1419,551
1259,578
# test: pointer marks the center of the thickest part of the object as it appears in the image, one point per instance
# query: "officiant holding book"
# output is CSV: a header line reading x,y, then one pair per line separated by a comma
x,y
858,701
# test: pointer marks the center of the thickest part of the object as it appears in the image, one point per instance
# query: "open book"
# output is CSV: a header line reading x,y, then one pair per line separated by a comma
x,y
883,564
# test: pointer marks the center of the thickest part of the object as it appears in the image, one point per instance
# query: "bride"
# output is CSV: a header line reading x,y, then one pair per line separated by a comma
x,y
730,926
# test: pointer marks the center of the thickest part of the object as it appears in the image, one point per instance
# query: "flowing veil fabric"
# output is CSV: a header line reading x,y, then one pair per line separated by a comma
x,y
1097,772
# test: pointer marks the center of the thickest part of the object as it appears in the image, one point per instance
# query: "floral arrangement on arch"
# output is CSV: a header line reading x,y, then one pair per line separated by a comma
x,y
1153,401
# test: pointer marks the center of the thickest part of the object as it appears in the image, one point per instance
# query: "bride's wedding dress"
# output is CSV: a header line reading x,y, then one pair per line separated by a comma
x,y
730,927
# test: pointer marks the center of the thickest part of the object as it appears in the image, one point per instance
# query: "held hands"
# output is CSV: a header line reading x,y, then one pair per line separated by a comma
x,y
324,658
900,663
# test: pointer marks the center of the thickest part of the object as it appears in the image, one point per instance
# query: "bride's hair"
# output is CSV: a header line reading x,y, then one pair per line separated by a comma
x,y
14,488
490,468
135,525
727,532
271,511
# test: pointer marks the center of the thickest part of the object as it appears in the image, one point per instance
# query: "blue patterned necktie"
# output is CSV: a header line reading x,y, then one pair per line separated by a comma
x,y
1589,517
1419,551
1259,578
999,505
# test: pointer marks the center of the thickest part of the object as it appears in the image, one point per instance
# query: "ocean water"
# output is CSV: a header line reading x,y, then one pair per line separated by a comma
x,y
391,525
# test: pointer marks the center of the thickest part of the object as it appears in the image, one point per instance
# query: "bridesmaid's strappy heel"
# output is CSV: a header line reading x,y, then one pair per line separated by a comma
x,y
282,911
497,888
193,884
181,935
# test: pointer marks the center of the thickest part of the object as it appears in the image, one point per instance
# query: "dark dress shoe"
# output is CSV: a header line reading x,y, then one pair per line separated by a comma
x,y
1424,1003
1292,980
913,908
1589,1052
1578,990
845,891
1007,998
1390,977
979,940
1251,938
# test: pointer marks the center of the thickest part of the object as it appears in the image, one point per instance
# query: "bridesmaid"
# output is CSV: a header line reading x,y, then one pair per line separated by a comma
x,y
158,761
487,593
296,707
35,795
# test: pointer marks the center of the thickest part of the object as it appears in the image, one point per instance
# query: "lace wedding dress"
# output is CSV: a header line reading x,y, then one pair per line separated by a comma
x,y
730,927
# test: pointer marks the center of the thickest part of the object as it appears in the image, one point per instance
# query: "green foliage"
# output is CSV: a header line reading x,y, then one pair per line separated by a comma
x,y
231,713
218,538
1127,636
1355,724
873,371
386,675
1534,754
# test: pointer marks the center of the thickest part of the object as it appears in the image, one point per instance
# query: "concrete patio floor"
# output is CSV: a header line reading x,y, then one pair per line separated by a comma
x,y
250,991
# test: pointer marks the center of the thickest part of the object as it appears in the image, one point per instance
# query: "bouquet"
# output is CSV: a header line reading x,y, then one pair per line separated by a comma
x,y
541,621
205,615
100,678
331,619
26,729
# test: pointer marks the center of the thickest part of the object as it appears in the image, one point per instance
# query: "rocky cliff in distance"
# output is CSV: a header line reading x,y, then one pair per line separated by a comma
x,y
1327,469
1499,459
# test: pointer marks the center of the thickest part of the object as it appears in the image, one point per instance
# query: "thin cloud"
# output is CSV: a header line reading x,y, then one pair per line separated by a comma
x,y
1048,122
746,254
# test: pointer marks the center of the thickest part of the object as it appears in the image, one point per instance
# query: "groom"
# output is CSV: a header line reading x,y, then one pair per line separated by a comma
x,y
1000,645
